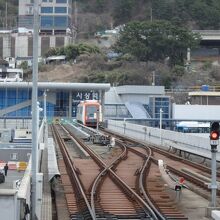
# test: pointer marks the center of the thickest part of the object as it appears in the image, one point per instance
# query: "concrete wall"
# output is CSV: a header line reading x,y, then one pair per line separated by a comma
x,y
196,112
15,123
8,204
22,154
166,138
20,45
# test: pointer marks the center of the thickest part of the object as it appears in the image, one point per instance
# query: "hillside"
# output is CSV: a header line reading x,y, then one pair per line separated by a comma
x,y
97,69
96,15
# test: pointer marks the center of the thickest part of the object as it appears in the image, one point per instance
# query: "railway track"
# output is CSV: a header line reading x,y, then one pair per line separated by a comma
x,y
118,189
195,174
77,202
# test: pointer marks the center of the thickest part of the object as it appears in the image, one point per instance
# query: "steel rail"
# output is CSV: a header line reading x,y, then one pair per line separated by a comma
x,y
132,194
103,173
141,186
72,173
154,211
166,153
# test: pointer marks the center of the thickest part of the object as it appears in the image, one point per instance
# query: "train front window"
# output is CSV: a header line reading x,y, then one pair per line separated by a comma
x,y
91,110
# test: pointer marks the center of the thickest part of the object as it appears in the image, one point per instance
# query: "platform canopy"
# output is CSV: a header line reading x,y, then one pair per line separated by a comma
x,y
58,85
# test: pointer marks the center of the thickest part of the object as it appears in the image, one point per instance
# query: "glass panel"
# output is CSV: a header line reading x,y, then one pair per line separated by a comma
x,y
61,1
46,9
60,21
60,9
46,21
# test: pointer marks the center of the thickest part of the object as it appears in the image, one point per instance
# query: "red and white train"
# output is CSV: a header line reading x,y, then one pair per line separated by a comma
x,y
89,113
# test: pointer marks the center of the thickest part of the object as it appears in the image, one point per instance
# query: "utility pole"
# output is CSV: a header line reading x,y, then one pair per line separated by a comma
x,y
34,151
151,14
161,117
6,15
75,14
153,81
75,18
151,11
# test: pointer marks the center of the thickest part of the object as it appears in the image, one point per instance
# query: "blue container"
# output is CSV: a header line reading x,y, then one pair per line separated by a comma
x,y
205,88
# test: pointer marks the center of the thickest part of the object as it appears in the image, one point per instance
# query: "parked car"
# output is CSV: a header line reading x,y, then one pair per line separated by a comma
x,y
2,177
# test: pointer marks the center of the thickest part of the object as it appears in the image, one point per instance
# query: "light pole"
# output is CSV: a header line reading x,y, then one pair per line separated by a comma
x,y
45,120
161,115
39,110
45,106
34,112
97,118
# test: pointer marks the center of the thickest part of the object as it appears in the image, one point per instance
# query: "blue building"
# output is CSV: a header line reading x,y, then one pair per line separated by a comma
x,y
55,15
158,103
61,98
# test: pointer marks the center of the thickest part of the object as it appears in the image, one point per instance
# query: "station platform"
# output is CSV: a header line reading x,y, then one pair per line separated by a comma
x,y
46,211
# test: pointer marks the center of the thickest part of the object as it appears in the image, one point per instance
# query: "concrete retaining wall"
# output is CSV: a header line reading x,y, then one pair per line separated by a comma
x,y
187,142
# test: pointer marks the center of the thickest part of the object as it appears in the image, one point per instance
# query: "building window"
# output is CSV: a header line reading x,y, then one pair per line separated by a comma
x,y
60,21
46,9
61,1
14,156
60,10
46,21
30,10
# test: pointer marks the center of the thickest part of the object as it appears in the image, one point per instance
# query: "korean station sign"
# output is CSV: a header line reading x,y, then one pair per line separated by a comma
x,y
85,95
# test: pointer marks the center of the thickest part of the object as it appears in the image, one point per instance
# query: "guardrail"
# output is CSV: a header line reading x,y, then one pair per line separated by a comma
x,y
193,89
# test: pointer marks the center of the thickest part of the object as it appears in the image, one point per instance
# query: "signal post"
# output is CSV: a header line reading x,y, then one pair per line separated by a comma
x,y
214,141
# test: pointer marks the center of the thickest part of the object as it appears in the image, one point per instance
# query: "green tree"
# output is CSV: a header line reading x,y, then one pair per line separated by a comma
x,y
123,11
206,14
73,50
154,41
24,65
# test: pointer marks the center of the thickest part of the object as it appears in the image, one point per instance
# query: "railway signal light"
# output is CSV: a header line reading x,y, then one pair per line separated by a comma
x,y
214,134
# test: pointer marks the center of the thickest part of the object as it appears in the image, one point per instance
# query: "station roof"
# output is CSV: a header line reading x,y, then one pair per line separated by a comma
x,y
134,89
58,85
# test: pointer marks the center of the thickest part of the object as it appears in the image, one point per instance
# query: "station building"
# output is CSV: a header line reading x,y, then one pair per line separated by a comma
x,y
139,102
61,98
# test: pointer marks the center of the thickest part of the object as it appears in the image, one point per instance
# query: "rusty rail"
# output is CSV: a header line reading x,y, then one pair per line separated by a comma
x,y
124,187
83,202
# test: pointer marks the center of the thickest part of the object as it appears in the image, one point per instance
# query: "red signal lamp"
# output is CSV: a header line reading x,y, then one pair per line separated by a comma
x,y
181,180
214,135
